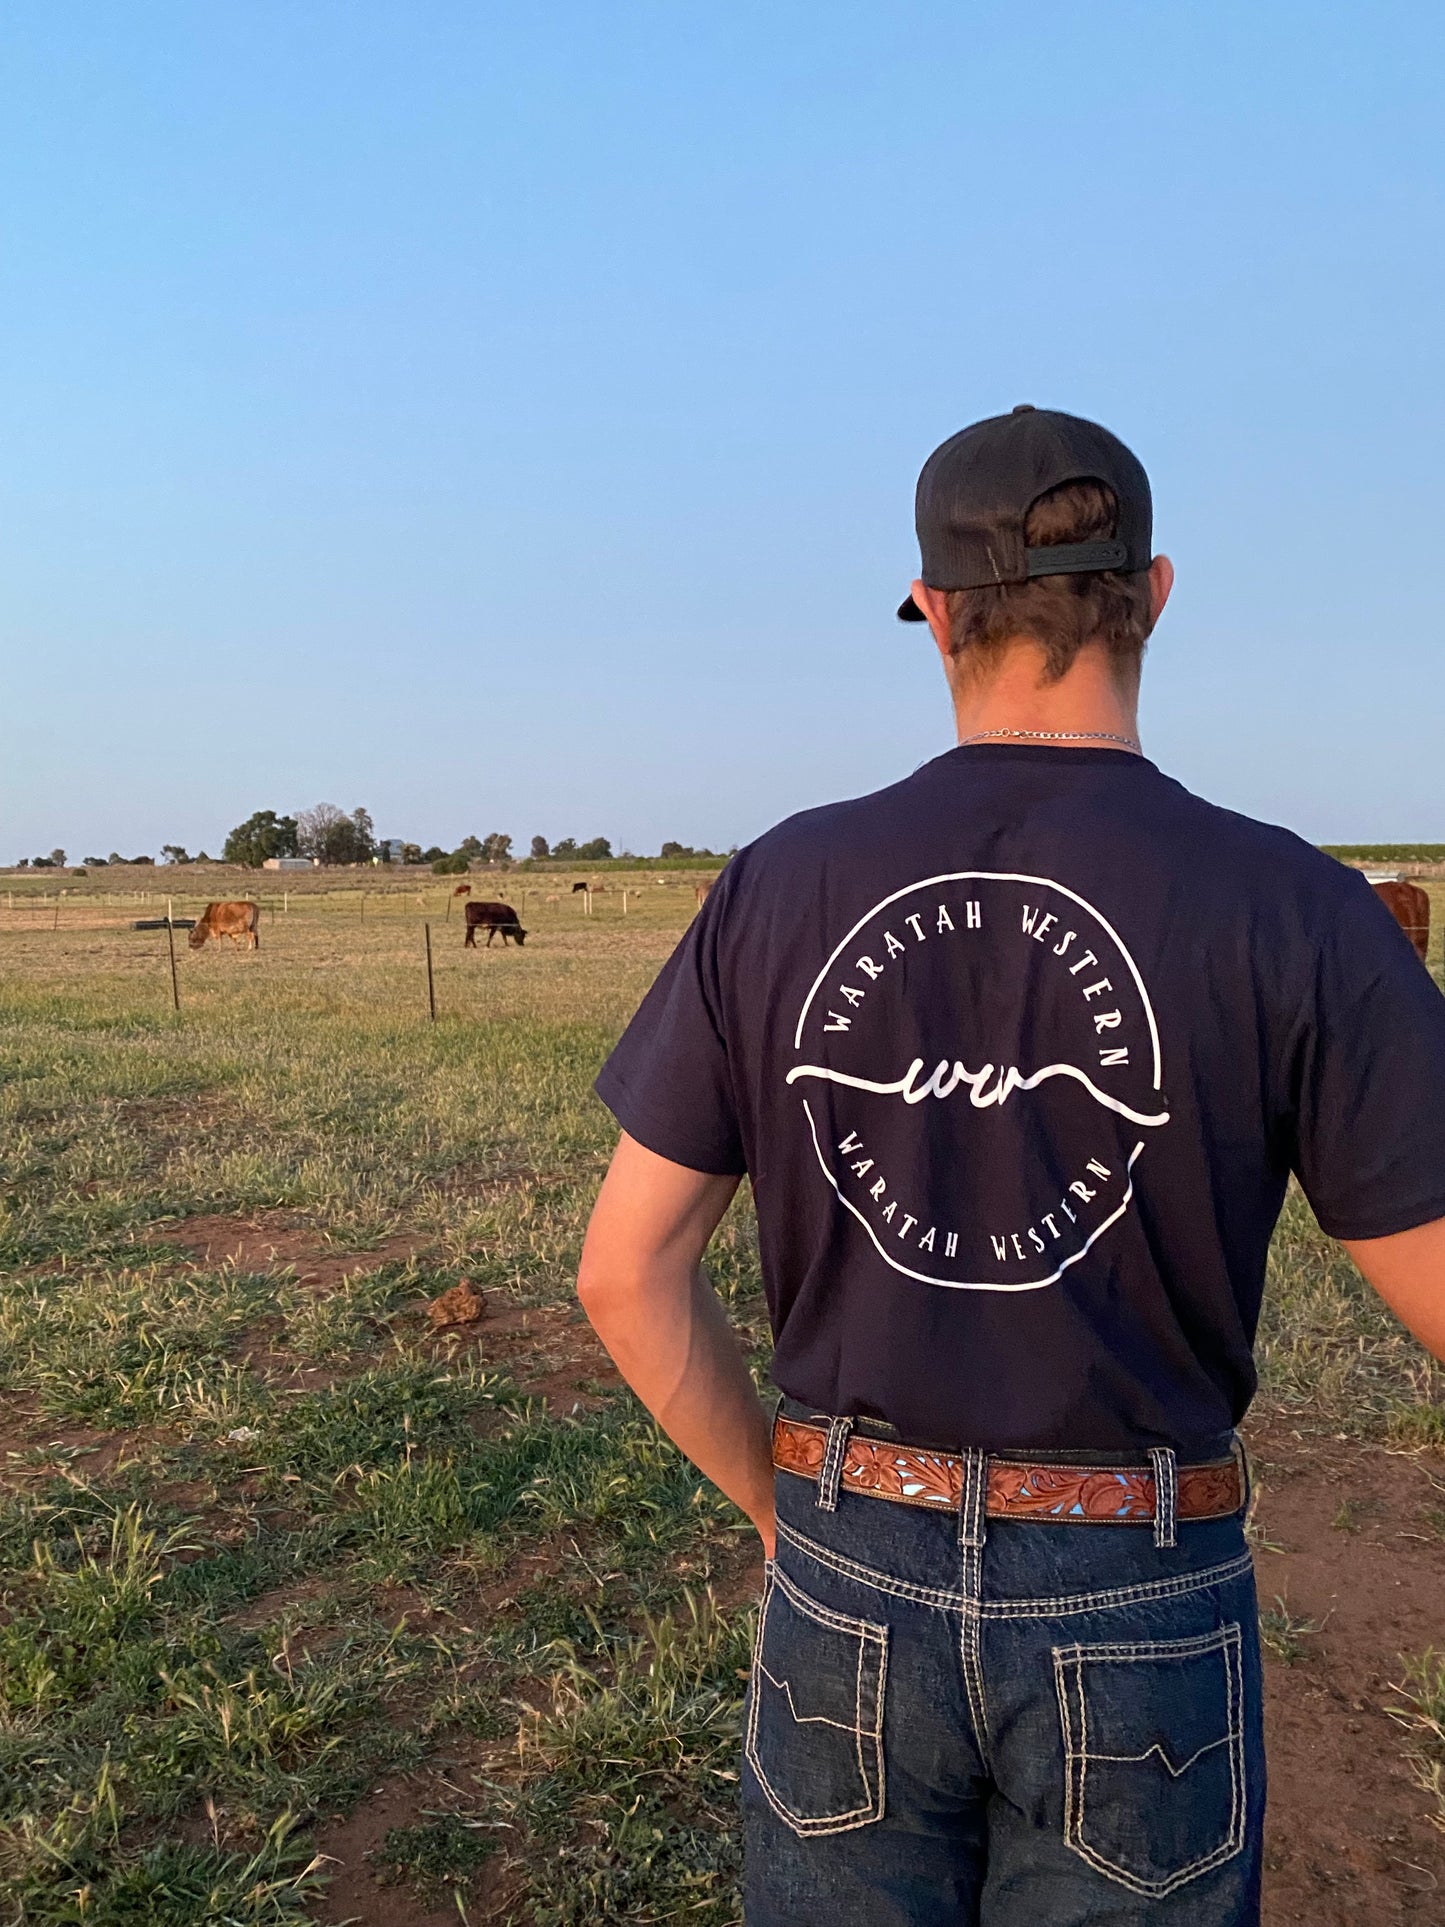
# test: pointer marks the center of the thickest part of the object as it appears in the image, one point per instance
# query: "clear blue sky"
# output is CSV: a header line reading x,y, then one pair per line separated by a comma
x,y
506,415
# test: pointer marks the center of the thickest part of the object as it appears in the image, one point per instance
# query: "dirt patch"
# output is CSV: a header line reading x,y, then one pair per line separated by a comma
x,y
737,1579
268,1242
270,1606
525,1570
20,1420
550,1350
33,1446
354,1893
1351,1542
358,1895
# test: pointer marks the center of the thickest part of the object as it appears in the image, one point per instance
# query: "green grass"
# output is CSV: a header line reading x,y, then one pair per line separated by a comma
x,y
264,1539
1285,1634
246,1522
443,1851
1330,1354
633,1777
1422,1714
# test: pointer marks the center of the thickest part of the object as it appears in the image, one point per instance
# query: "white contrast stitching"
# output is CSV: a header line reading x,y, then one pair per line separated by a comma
x,y
1059,1607
1138,1759
831,1472
972,1533
868,1575
1166,1495
840,1622
821,1719
1226,1640
1089,1602
867,1635
1145,1648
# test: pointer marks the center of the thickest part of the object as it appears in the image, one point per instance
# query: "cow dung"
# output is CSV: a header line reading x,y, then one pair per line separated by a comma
x,y
463,1304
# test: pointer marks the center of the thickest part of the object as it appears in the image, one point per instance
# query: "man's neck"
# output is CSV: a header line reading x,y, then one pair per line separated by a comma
x,y
1012,699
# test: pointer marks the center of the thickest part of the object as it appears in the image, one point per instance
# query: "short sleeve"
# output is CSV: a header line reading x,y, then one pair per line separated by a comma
x,y
1370,1078
669,1083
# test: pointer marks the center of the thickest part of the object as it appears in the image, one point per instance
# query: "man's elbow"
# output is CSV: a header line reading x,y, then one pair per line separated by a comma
x,y
592,1282
625,1280
607,1279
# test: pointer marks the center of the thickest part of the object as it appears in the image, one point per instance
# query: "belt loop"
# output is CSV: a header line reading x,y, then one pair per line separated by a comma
x,y
973,1501
830,1473
1166,1495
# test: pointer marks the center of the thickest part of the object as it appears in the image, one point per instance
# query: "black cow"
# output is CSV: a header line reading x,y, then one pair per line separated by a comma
x,y
493,917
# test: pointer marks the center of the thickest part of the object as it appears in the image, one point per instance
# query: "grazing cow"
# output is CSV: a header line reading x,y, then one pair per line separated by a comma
x,y
493,917
1407,903
238,920
580,886
700,890
462,890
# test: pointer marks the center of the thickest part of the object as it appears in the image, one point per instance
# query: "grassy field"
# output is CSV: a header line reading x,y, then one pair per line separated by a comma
x,y
308,1601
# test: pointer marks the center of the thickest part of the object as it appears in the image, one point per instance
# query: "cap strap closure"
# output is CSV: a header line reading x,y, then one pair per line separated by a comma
x,y
1075,558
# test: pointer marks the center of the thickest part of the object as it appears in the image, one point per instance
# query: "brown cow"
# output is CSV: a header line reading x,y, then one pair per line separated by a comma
x,y
238,920
462,890
493,917
1409,905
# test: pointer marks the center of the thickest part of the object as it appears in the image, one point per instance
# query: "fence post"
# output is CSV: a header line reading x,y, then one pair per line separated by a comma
x,y
431,991
171,943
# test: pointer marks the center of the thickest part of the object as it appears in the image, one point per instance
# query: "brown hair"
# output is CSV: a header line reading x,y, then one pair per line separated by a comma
x,y
1060,612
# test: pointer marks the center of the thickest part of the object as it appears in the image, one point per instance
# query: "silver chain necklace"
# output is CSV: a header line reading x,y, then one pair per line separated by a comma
x,y
1053,736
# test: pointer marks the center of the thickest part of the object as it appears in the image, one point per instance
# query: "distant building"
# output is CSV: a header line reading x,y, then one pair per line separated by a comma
x,y
392,849
290,863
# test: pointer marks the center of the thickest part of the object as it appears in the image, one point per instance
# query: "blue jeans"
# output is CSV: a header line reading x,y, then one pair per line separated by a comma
x,y
958,1720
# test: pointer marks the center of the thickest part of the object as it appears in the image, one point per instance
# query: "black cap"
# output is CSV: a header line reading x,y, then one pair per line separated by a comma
x,y
975,491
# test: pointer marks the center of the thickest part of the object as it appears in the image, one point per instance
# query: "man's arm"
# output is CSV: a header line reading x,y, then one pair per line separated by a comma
x,y
663,1323
1408,1271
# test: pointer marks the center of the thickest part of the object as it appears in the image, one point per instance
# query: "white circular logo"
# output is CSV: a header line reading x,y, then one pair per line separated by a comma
x,y
978,1065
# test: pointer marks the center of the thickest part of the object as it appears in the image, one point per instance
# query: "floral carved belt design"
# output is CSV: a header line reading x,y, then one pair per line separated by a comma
x,y
1061,1494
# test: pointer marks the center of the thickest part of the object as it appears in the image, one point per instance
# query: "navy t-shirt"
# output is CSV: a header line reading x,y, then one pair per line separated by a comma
x,y
1019,1055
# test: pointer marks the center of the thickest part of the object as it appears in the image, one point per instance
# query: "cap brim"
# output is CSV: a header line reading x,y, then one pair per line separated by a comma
x,y
909,611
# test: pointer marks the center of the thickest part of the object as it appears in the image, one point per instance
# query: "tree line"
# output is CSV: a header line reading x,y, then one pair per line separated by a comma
x,y
335,838
332,837
57,860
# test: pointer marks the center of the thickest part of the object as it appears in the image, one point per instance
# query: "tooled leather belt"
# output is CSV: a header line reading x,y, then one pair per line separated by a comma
x,y
1017,1489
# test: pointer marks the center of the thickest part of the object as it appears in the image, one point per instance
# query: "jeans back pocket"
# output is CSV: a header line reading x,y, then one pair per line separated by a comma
x,y
815,1712
1154,1788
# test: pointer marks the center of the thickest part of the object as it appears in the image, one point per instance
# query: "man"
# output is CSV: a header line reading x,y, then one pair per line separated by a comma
x,y
1018,1055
